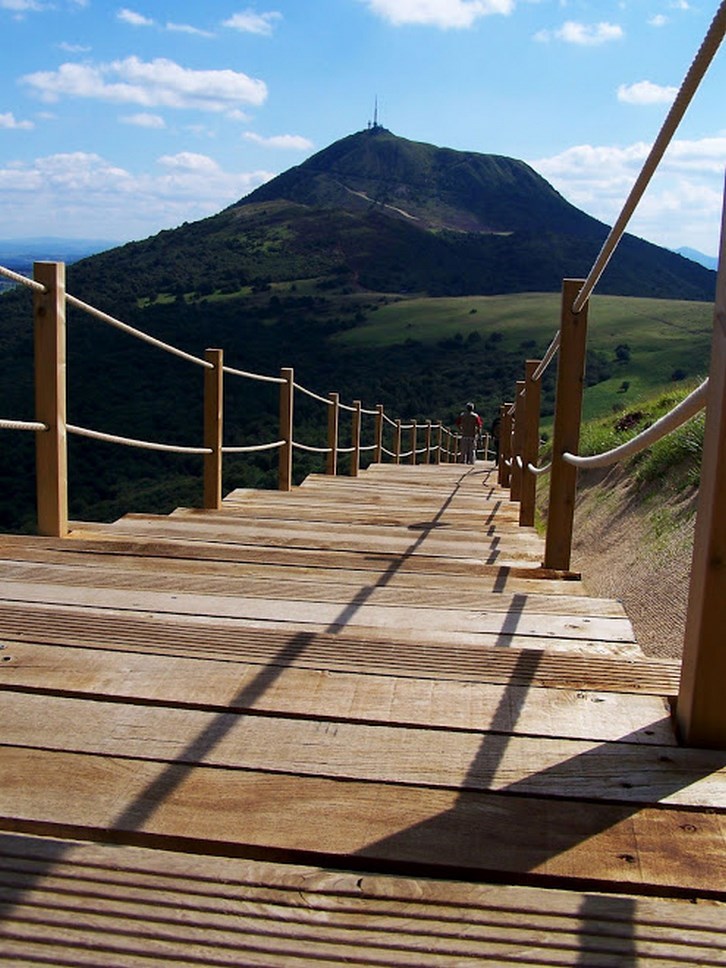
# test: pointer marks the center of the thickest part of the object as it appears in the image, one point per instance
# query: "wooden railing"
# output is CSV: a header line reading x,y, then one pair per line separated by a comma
x,y
412,441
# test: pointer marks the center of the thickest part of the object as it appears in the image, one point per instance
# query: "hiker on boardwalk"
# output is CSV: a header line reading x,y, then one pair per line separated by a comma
x,y
469,423
494,434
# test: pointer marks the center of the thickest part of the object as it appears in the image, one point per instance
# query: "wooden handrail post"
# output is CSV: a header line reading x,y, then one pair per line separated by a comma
x,y
213,428
397,442
701,710
530,445
515,480
501,467
51,446
331,462
355,434
457,448
287,390
414,429
505,443
439,439
566,433
378,452
427,454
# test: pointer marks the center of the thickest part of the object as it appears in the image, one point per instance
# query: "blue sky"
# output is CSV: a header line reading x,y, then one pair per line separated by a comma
x,y
119,121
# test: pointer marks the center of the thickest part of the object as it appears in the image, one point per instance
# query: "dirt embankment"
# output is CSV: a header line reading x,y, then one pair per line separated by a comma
x,y
636,546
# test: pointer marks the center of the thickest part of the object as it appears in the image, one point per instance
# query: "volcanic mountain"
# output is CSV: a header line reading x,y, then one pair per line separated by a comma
x,y
383,213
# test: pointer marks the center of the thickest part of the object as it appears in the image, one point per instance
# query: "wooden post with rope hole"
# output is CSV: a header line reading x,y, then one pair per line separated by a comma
x,y
213,428
701,704
414,429
331,460
530,444
566,433
284,471
427,454
51,446
505,443
378,452
515,480
439,440
355,439
500,459
397,442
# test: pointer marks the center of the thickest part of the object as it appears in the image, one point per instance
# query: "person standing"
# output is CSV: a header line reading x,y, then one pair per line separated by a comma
x,y
469,423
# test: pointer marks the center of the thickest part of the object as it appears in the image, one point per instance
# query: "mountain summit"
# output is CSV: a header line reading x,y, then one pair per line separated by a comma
x,y
431,188
405,215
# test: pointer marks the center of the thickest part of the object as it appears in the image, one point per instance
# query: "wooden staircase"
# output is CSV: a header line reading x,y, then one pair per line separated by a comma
x,y
355,723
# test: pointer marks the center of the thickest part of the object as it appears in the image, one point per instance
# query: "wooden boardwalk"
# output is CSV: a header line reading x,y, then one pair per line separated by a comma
x,y
356,723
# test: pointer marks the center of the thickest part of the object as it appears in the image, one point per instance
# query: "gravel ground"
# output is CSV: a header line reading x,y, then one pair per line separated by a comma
x,y
637,548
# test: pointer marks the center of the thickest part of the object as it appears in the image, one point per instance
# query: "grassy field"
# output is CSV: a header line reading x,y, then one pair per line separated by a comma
x,y
651,343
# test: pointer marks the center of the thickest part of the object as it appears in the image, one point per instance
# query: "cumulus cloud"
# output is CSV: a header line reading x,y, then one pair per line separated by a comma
x,y
658,20
251,22
682,205
645,92
157,83
144,120
187,29
438,13
127,16
22,6
9,122
73,48
292,142
89,191
583,35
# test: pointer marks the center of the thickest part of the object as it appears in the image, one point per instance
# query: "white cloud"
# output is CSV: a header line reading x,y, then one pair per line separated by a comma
x,y
583,35
88,191
250,22
8,121
157,83
187,29
645,92
144,120
659,20
438,13
134,19
682,205
22,6
292,142
73,48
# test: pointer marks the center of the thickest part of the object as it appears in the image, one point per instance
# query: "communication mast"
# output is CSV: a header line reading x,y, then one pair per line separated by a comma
x,y
374,125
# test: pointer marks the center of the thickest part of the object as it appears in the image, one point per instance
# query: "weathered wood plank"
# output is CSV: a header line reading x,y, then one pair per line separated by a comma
x,y
462,760
604,634
127,571
228,641
249,905
244,813
341,696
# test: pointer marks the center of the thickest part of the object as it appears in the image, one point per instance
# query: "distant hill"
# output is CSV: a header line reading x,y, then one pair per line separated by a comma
x,y
20,254
709,261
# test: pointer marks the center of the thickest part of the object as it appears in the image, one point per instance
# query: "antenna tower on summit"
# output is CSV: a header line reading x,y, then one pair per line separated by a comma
x,y
373,125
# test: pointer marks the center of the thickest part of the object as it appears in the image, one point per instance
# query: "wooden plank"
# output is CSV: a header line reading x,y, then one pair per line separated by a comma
x,y
278,561
228,641
362,824
249,905
603,634
186,576
462,760
341,696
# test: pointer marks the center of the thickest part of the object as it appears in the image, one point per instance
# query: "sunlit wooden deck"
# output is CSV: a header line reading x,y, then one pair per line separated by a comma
x,y
355,723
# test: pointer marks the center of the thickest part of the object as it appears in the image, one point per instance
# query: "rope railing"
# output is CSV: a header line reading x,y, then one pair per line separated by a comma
x,y
316,396
314,450
32,425
136,333
685,410
131,442
259,377
22,280
685,94
253,448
